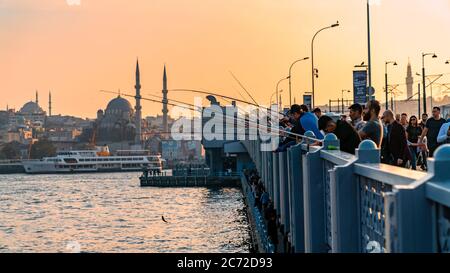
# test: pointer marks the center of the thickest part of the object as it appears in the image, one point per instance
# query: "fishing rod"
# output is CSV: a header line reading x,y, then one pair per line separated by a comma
x,y
192,107
222,96
242,86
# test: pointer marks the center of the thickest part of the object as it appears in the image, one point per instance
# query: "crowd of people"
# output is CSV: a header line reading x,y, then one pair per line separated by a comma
x,y
264,204
403,142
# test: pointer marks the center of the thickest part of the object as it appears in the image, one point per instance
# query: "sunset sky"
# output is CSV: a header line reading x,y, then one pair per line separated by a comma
x,y
74,51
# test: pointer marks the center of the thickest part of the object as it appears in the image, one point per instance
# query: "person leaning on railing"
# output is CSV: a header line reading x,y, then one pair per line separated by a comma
x,y
348,137
309,121
293,126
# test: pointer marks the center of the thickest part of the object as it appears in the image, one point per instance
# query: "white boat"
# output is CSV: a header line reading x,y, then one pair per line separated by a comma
x,y
98,160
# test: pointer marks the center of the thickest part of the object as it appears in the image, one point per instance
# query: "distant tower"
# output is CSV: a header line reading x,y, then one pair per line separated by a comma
x,y
409,81
37,97
50,103
165,111
138,107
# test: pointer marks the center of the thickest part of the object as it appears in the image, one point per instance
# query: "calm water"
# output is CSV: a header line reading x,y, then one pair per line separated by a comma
x,y
111,213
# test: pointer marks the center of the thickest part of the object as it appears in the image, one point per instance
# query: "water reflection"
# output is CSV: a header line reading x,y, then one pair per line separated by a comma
x,y
111,213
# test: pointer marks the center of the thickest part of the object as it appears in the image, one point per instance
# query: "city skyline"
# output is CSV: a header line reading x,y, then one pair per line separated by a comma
x,y
75,51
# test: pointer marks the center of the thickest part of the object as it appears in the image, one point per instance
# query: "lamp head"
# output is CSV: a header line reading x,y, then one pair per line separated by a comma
x,y
434,56
395,63
335,25
447,62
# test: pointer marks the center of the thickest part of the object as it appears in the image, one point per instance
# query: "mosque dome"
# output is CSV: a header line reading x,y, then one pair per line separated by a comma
x,y
31,108
118,106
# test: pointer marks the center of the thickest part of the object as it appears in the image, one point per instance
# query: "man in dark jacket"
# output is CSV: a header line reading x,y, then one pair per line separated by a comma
x,y
397,146
346,133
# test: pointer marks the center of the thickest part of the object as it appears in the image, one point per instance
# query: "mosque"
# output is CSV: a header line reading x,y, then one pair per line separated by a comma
x,y
30,112
120,122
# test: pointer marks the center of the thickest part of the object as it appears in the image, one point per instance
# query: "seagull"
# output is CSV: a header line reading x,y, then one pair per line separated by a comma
x,y
162,218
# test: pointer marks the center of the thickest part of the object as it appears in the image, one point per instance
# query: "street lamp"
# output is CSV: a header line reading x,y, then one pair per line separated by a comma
x,y
423,79
369,67
278,89
342,95
386,80
447,62
290,70
314,72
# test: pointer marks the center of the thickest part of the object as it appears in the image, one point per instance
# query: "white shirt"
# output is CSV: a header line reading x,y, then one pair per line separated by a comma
x,y
358,124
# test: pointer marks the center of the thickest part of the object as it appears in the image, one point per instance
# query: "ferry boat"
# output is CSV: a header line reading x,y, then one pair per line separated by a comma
x,y
98,160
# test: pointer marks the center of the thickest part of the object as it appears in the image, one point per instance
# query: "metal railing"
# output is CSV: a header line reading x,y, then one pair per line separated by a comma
x,y
260,224
331,201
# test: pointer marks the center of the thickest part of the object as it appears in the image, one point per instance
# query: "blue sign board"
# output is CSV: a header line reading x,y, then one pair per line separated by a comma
x,y
307,100
360,86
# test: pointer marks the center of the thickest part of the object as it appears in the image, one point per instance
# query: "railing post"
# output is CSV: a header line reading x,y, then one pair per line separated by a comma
x,y
276,182
438,190
269,166
331,142
344,207
314,196
296,198
368,152
284,194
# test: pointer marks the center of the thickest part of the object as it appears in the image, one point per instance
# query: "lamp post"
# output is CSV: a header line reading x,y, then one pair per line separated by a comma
x,y
342,95
278,102
271,97
290,76
386,81
423,80
369,68
314,73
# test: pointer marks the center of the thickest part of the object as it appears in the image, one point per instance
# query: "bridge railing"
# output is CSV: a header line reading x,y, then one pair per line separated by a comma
x,y
331,201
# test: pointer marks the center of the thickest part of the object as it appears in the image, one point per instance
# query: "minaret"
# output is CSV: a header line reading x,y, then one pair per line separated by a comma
x,y
138,107
165,111
37,98
49,103
409,81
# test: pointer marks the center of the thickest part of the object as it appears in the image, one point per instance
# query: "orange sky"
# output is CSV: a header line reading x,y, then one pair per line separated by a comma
x,y
77,50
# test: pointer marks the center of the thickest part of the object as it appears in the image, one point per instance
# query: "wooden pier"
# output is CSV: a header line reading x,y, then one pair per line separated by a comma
x,y
215,180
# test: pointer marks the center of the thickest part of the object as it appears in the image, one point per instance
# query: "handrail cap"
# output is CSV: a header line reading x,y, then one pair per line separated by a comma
x,y
367,145
442,153
330,137
310,134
